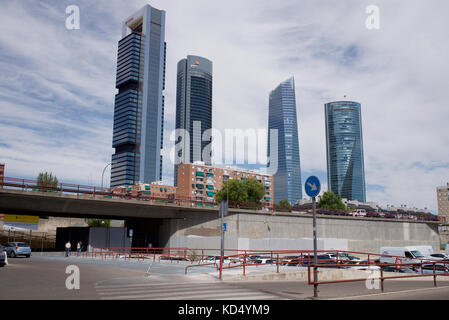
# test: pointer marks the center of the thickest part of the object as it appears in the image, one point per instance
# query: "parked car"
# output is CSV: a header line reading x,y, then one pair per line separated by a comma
x,y
265,261
428,268
344,257
401,255
15,249
2,256
401,270
438,256
288,259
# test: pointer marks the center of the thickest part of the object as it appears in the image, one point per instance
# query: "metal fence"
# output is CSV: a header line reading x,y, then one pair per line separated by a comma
x,y
106,193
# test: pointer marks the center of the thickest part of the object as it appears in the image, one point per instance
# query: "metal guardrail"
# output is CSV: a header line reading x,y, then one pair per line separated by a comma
x,y
415,266
106,193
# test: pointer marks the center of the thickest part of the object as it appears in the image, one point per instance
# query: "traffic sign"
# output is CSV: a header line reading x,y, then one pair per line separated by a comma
x,y
224,226
313,186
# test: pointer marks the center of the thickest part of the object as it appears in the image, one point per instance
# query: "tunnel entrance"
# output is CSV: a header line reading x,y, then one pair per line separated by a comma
x,y
146,232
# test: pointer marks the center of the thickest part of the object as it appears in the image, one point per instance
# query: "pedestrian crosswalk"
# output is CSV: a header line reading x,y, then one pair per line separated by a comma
x,y
181,291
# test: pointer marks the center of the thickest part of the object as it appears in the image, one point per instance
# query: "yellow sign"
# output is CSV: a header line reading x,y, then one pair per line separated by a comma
x,y
20,219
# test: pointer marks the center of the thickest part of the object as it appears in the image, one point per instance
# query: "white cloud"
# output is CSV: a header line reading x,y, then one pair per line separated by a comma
x,y
399,74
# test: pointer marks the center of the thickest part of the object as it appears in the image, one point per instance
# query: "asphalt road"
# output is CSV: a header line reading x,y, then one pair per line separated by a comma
x,y
44,278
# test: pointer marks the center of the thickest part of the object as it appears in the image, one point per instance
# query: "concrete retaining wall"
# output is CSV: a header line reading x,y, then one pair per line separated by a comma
x,y
249,231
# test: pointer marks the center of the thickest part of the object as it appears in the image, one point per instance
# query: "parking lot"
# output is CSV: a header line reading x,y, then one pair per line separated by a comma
x,y
44,277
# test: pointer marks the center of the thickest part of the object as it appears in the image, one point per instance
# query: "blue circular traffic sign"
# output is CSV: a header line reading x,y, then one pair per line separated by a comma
x,y
313,186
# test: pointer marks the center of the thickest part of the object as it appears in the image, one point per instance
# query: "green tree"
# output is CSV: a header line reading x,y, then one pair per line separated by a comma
x,y
254,189
249,190
233,190
98,222
285,204
331,201
46,182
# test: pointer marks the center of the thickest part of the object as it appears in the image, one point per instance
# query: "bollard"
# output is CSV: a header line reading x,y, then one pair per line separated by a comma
x,y
382,279
244,264
434,276
277,263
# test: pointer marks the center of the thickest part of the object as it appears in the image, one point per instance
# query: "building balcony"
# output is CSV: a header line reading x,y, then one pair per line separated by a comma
x,y
199,173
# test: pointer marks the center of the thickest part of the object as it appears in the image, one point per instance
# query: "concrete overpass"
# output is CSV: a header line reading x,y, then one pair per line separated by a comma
x,y
89,206
171,225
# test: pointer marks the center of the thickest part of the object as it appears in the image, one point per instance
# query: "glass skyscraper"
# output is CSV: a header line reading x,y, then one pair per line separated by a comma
x,y
139,103
344,150
193,111
283,161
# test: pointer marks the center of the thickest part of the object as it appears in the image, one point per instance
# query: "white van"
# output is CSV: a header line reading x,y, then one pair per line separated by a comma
x,y
359,213
425,250
404,254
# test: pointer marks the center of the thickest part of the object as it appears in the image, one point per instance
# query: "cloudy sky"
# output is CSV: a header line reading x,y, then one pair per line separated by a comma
x,y
57,85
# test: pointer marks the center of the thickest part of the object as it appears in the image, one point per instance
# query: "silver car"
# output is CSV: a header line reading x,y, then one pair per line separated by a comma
x,y
2,256
15,249
428,268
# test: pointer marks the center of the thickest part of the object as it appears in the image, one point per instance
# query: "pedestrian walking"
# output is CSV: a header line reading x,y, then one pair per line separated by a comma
x,y
78,248
68,245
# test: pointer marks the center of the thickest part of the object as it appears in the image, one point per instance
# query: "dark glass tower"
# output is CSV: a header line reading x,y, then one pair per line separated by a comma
x,y
284,162
345,166
139,104
193,111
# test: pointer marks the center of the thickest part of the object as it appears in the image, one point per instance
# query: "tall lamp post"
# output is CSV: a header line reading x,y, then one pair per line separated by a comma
x,y
102,175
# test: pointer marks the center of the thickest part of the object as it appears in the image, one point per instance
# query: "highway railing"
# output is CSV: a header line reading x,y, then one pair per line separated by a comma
x,y
422,267
108,193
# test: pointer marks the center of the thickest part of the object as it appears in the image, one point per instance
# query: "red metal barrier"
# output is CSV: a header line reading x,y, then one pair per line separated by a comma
x,y
381,266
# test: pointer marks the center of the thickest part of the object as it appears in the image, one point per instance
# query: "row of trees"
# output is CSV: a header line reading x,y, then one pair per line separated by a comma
x,y
252,191
242,191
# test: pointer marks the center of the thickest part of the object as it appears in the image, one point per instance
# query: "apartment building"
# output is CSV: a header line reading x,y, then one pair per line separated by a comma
x,y
200,182
150,191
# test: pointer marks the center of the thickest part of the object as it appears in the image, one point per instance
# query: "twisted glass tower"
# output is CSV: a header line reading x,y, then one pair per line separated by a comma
x,y
344,150
193,111
284,162
139,104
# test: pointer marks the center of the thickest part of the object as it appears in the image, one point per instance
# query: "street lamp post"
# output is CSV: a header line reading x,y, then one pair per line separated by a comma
x,y
102,175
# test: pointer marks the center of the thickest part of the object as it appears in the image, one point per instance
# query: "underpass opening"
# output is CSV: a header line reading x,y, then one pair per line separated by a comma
x,y
146,233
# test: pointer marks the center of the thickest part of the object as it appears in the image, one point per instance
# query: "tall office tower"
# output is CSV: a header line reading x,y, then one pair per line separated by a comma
x,y
283,161
193,111
344,143
139,104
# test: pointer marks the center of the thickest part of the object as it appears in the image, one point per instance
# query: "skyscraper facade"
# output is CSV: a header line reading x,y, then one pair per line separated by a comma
x,y
283,161
344,150
193,111
139,103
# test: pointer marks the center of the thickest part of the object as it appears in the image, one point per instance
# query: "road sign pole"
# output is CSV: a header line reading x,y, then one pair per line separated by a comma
x,y
222,238
313,188
315,258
